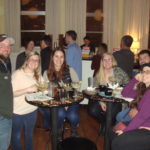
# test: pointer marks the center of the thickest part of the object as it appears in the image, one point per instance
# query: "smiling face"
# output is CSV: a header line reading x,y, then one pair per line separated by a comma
x,y
144,58
146,75
107,62
5,48
58,60
30,46
33,62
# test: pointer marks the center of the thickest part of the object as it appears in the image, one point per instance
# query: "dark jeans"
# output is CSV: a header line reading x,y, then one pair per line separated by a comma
x,y
20,122
95,110
45,117
72,114
138,139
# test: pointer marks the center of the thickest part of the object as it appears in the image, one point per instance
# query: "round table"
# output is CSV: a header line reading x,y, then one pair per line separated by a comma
x,y
109,100
54,106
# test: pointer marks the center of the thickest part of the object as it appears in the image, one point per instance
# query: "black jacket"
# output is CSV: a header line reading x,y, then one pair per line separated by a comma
x,y
45,58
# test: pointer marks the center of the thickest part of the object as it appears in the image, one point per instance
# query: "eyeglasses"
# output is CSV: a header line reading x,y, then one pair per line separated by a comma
x,y
108,60
146,72
34,60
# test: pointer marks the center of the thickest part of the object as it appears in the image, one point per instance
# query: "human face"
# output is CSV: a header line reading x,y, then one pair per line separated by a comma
x,y
144,58
68,39
146,75
107,62
5,48
30,46
58,60
33,62
43,44
86,42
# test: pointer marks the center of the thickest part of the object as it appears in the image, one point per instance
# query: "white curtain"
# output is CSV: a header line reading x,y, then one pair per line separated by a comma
x,y
113,12
53,16
136,22
12,21
75,17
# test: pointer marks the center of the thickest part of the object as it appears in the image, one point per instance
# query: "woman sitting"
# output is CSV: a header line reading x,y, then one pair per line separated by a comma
x,y
59,72
108,70
25,115
137,134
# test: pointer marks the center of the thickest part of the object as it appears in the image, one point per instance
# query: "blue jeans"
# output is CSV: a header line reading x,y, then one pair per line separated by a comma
x,y
26,122
123,116
72,114
5,132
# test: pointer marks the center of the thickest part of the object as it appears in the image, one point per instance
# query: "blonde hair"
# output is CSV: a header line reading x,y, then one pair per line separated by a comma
x,y
37,71
101,74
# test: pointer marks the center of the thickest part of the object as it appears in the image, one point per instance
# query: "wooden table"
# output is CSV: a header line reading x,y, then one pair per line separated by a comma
x,y
109,101
54,106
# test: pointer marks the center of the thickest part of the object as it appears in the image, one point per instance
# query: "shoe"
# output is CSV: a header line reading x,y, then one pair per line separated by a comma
x,y
74,132
102,130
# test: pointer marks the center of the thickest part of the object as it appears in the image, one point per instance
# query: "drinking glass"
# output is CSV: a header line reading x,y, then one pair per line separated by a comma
x,y
42,86
76,86
90,82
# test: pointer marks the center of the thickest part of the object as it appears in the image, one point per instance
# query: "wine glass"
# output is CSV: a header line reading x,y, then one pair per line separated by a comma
x,y
112,80
76,86
42,86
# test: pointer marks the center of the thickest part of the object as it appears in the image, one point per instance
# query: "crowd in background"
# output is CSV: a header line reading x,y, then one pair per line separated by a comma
x,y
59,66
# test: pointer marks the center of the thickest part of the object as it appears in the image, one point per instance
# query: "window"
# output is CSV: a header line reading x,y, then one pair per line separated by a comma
x,y
94,21
32,20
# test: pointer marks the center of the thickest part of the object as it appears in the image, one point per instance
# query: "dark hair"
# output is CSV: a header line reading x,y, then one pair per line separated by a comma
x,y
72,33
127,40
46,39
145,51
51,70
27,42
87,38
102,49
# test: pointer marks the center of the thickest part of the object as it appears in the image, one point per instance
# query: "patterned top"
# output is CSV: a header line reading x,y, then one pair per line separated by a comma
x,y
119,74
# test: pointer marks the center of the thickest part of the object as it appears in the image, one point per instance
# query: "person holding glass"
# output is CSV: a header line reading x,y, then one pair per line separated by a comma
x,y
24,115
108,71
60,73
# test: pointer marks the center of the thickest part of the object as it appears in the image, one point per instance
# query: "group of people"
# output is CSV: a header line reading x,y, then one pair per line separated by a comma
x,y
60,66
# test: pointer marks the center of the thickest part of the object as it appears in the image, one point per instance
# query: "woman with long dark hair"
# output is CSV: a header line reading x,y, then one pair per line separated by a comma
x,y
137,134
58,72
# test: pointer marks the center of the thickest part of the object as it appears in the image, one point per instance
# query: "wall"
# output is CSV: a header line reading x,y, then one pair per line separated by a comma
x,y
2,20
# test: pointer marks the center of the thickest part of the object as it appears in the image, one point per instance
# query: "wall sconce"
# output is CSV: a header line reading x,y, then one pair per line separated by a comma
x,y
135,47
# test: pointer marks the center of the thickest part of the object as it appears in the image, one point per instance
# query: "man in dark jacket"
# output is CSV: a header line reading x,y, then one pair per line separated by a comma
x,y
45,52
6,94
124,57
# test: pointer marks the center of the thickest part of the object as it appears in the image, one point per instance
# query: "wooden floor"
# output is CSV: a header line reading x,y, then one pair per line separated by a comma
x,y
88,128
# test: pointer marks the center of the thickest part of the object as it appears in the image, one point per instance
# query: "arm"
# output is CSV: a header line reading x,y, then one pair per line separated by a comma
x,y
142,115
129,89
27,90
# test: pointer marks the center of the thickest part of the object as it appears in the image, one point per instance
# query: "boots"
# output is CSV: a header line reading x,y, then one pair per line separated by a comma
x,y
102,129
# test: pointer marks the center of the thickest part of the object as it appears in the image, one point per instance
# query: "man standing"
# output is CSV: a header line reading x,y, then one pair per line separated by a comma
x,y
6,94
46,50
124,57
73,54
